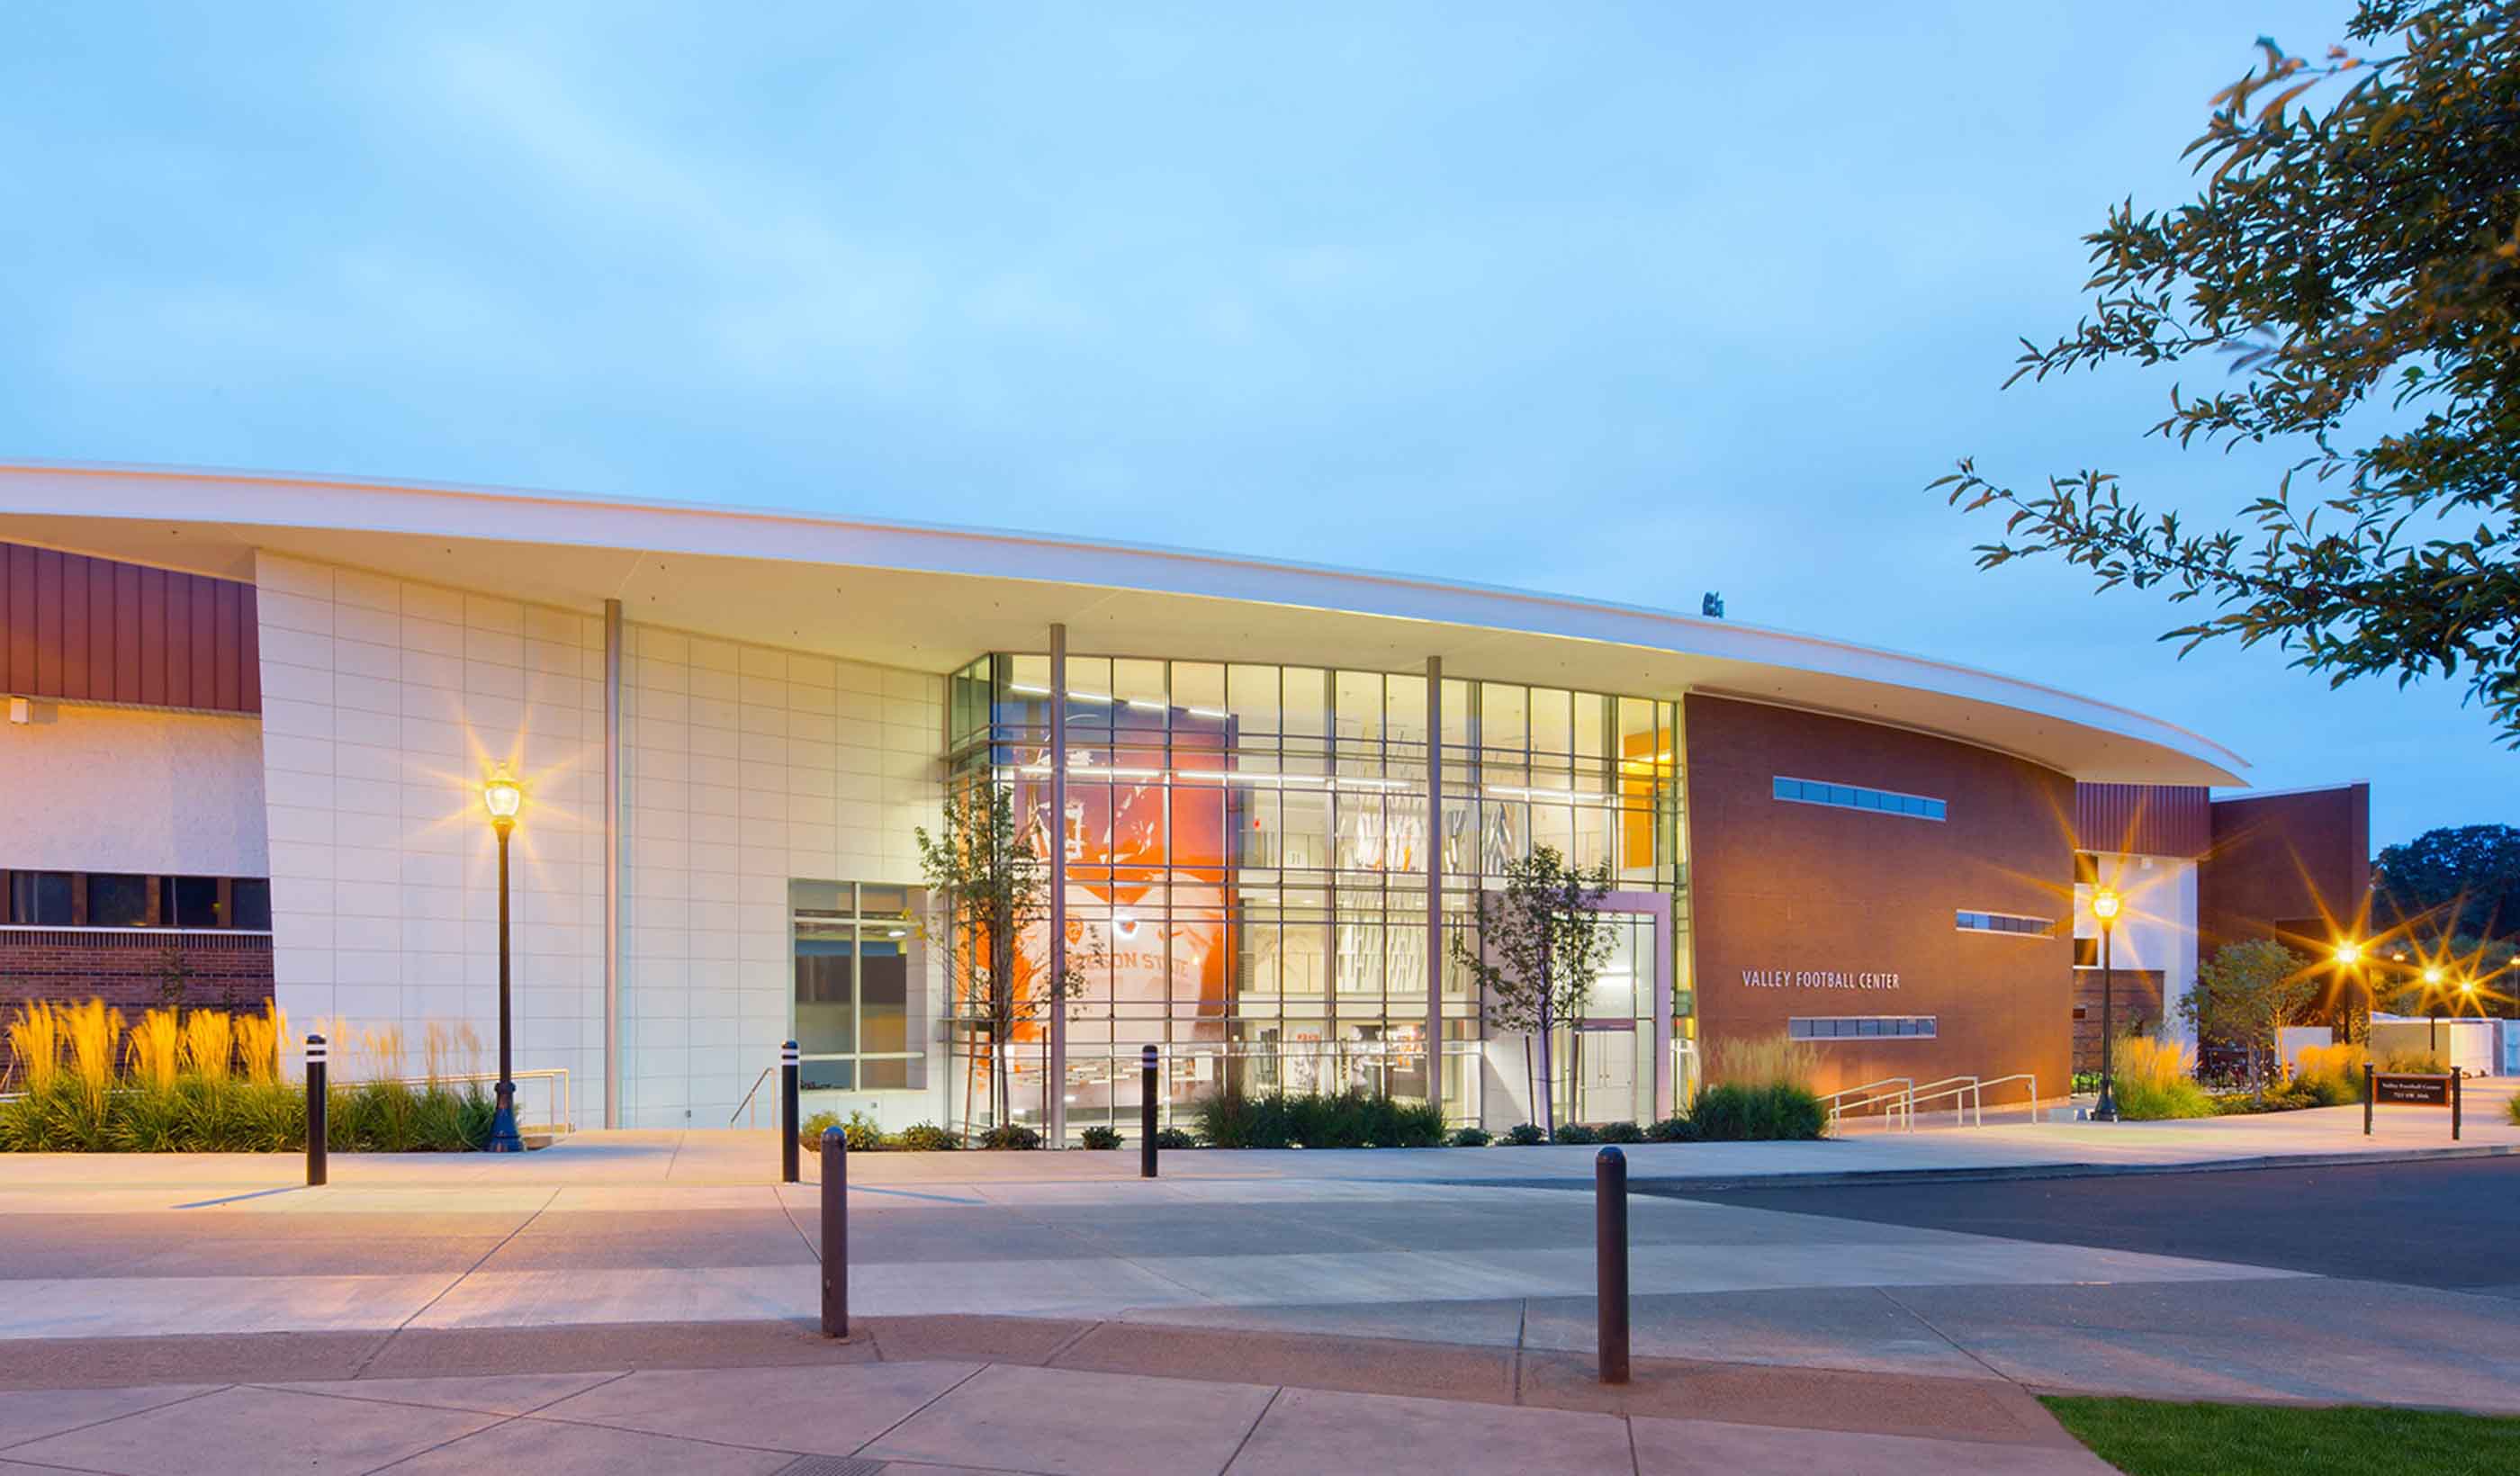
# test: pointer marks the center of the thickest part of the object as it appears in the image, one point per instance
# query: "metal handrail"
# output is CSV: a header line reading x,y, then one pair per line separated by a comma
x,y
744,1105
2017,1076
1953,1087
1837,1107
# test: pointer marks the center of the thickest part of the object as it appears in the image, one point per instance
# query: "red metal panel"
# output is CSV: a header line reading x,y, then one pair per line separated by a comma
x,y
17,624
48,623
2145,819
126,632
153,636
179,640
74,627
102,623
231,691
97,630
204,633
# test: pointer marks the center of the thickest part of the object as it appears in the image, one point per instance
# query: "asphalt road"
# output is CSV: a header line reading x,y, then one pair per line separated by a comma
x,y
2453,1225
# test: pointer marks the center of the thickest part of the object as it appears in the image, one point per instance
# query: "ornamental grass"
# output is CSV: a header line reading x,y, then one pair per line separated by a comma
x,y
203,1081
2154,1079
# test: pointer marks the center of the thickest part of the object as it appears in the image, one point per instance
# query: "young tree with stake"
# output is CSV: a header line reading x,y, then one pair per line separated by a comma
x,y
995,886
1541,943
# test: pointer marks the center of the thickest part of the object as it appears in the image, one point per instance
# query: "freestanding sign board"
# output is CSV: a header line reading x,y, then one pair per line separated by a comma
x,y
2411,1088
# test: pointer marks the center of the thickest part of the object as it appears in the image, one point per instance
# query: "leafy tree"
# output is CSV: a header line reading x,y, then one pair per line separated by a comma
x,y
1542,942
2358,269
995,889
2246,993
2455,878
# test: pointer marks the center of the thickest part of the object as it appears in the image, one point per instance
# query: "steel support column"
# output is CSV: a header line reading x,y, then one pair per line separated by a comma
x,y
1055,1071
613,862
1435,880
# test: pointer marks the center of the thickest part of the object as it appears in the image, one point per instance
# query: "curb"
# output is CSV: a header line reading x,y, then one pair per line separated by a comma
x,y
1670,1186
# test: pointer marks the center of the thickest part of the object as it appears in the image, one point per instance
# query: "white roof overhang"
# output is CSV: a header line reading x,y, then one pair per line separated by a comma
x,y
931,597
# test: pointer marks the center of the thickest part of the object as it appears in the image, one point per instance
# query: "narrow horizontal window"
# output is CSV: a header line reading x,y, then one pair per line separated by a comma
x,y
1811,791
1848,1027
2004,922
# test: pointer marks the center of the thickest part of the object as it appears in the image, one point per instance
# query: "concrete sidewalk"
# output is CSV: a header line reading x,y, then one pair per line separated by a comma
x,y
940,1396
726,1157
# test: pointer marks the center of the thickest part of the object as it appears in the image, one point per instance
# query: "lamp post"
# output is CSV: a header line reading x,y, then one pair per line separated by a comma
x,y
2105,906
2349,953
2432,998
501,798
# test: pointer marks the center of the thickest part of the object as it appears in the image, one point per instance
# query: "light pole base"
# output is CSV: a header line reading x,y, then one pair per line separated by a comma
x,y
2107,1109
502,1124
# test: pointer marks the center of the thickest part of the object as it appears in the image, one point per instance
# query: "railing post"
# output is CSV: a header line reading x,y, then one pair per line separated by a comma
x,y
2456,1074
1610,1261
835,1233
788,1126
317,1123
2367,1099
1147,1082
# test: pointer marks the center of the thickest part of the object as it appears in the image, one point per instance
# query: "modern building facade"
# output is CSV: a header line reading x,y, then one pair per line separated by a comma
x,y
251,715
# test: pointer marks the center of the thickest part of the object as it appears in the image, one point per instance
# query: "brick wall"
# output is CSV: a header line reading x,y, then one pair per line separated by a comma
x,y
125,969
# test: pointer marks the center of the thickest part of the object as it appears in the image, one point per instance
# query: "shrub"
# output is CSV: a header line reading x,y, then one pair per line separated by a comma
x,y
1623,1132
1011,1137
2414,1063
2331,1073
1232,1120
1174,1138
1349,1118
926,1138
1523,1134
2511,1108
1729,1112
1480,1138
1102,1138
1577,1132
1673,1130
860,1130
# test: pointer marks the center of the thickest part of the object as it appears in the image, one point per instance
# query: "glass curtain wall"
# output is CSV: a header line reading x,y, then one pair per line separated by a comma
x,y
856,1015
1246,851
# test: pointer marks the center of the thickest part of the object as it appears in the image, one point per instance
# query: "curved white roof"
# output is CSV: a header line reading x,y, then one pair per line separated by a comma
x,y
931,598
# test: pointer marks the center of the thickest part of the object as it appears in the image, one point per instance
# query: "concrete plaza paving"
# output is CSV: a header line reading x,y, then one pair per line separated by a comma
x,y
1050,1410
641,1253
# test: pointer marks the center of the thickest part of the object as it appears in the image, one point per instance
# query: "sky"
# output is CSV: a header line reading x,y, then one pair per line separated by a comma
x,y
1630,303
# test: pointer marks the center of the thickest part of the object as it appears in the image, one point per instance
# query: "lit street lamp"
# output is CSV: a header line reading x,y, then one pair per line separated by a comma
x,y
2433,997
2348,955
2104,906
503,798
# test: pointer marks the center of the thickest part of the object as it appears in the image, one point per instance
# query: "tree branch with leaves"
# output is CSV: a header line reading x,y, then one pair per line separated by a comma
x,y
2356,266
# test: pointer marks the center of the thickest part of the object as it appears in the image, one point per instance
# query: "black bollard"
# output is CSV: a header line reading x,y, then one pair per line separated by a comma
x,y
2367,1099
789,1145
835,1233
1147,1073
316,1122
2456,1074
1610,1260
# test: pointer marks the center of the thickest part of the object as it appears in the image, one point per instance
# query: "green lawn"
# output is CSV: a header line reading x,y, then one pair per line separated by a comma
x,y
2149,1438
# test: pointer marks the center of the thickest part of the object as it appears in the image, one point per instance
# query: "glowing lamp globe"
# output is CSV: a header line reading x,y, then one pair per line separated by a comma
x,y
503,797
2349,953
2104,904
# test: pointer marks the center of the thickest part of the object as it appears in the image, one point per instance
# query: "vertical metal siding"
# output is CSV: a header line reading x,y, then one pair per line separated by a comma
x,y
79,629
2143,820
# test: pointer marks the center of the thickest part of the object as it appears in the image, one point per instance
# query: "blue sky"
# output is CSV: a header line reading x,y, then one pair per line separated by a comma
x,y
1623,301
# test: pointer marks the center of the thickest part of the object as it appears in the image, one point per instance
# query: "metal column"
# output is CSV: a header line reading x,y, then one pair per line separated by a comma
x,y
613,862
1055,1071
1435,880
